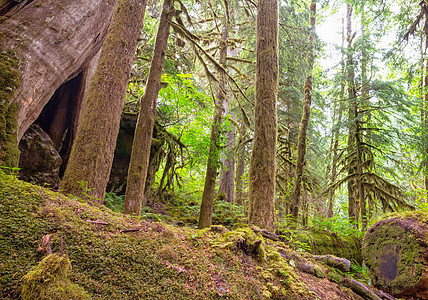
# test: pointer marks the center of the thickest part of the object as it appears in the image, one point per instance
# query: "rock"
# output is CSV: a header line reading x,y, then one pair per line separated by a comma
x,y
396,251
39,162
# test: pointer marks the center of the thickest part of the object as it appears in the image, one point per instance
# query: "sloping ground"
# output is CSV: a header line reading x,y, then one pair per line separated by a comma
x,y
121,257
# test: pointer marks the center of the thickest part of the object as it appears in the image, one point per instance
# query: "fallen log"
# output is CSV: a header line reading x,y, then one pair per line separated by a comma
x,y
396,251
323,242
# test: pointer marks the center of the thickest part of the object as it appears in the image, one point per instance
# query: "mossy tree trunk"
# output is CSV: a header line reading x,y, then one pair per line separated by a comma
x,y
205,214
424,117
9,82
353,209
365,98
263,158
240,168
93,149
227,176
337,116
301,143
138,166
51,48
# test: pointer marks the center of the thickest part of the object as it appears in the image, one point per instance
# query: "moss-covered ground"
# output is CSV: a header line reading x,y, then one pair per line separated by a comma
x,y
110,259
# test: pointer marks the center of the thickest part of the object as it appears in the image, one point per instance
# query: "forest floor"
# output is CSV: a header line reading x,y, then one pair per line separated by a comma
x,y
122,257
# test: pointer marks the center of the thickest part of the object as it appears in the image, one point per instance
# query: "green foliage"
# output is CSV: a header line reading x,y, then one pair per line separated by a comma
x,y
114,202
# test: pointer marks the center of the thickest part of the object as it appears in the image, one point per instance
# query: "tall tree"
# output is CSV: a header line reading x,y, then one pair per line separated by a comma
x,y
263,158
301,144
352,114
205,215
138,166
92,153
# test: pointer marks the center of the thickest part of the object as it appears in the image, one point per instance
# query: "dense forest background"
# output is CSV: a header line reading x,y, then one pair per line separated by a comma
x,y
361,149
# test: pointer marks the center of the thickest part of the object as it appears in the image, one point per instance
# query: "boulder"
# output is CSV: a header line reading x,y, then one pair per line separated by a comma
x,y
39,161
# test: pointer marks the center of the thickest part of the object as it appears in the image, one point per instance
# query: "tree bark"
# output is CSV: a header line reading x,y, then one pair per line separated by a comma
x,y
240,169
301,144
396,252
365,97
263,158
137,172
352,114
93,149
227,176
205,214
52,42
335,138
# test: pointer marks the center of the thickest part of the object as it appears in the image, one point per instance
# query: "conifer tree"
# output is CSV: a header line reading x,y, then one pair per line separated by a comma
x,y
92,153
263,158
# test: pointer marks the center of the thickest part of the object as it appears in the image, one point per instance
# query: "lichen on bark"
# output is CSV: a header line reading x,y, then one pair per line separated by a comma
x,y
9,82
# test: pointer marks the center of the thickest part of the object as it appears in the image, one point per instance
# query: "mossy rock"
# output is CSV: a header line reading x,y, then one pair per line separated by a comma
x,y
49,281
396,251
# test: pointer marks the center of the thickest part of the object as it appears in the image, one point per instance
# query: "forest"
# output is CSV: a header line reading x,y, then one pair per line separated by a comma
x,y
183,149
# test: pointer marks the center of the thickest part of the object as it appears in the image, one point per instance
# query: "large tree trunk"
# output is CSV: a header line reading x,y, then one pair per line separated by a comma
x,y
52,41
263,159
137,172
301,143
93,149
205,214
396,252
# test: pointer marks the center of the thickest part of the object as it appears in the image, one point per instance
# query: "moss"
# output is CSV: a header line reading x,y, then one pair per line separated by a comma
x,y
150,261
243,239
49,281
323,242
9,82
394,250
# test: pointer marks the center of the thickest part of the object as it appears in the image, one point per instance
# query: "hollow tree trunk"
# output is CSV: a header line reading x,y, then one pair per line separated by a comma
x,y
301,144
396,252
52,42
93,149
205,214
137,172
263,158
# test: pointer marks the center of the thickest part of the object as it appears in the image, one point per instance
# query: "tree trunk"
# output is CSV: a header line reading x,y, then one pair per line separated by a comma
x,y
301,143
137,172
93,149
352,114
227,176
205,214
263,158
336,132
240,170
396,252
52,42
425,127
365,98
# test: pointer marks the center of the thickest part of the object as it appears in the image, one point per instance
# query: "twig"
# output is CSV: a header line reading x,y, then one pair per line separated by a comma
x,y
130,230
97,222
